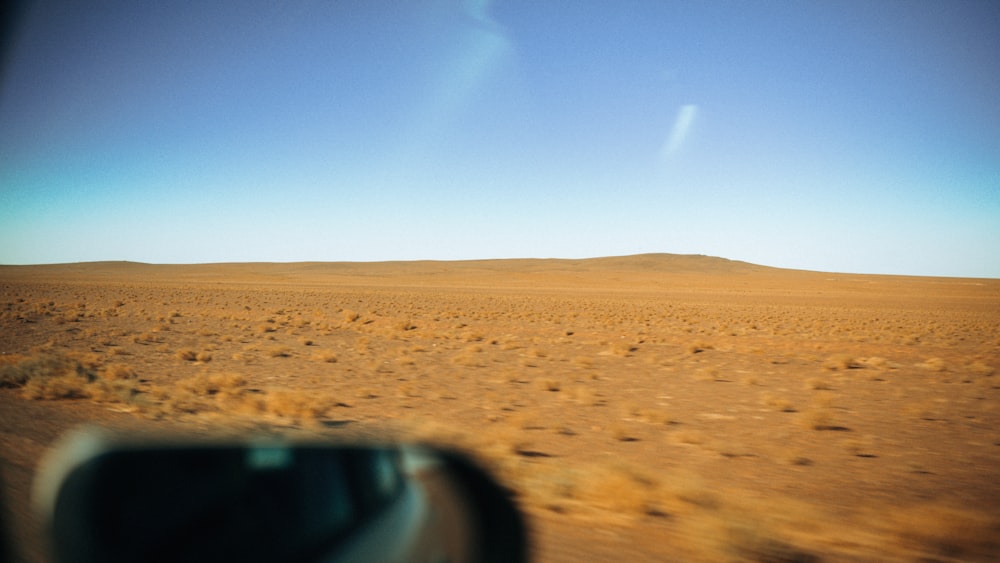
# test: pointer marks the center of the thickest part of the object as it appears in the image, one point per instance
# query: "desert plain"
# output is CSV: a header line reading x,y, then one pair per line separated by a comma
x,y
641,408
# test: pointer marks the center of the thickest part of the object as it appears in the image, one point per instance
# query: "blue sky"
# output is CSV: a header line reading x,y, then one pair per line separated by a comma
x,y
836,136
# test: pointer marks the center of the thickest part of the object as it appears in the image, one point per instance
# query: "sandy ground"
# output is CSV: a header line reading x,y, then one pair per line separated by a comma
x,y
642,408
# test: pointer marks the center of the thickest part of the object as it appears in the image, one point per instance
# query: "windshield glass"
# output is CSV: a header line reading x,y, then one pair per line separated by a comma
x,y
819,135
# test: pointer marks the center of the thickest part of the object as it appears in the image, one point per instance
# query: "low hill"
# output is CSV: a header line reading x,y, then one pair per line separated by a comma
x,y
613,273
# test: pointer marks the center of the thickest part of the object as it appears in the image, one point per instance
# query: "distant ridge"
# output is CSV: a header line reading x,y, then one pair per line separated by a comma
x,y
608,273
650,262
662,262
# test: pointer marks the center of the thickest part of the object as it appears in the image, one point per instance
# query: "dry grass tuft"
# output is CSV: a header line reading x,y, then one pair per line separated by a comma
x,y
118,372
212,384
405,325
875,362
187,355
818,384
623,348
548,384
623,432
934,364
842,362
59,376
748,539
942,532
299,405
326,356
821,419
49,376
279,352
981,369
690,437
470,357
699,347
581,394
145,338
618,487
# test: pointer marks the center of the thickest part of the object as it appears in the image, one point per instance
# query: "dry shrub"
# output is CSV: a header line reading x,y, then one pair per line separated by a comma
x,y
9,359
548,384
818,384
861,446
350,316
118,372
187,355
279,352
875,362
115,391
185,403
708,374
980,368
929,410
214,383
623,348
59,376
623,432
618,487
934,364
821,419
748,538
842,362
326,356
404,325
473,337
144,338
690,437
654,416
938,531
471,356
699,347
49,376
581,394
66,386
299,405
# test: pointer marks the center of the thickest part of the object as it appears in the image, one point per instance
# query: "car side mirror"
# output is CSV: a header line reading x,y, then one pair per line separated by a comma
x,y
114,500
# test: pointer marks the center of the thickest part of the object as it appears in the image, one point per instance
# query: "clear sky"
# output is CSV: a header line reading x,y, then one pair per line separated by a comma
x,y
848,136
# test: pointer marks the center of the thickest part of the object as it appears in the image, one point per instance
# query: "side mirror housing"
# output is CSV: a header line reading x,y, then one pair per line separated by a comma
x,y
109,499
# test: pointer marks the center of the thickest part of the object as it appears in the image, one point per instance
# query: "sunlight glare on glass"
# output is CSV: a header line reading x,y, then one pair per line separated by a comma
x,y
681,129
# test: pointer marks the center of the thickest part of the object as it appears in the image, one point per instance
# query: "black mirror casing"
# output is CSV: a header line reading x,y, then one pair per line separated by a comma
x,y
111,500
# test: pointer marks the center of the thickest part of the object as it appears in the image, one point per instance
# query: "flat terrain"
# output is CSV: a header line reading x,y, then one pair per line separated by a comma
x,y
642,408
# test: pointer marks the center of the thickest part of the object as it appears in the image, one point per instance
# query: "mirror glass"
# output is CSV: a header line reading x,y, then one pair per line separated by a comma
x,y
257,503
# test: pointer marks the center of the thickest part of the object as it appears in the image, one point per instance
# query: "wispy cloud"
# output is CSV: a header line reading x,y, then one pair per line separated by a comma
x,y
679,132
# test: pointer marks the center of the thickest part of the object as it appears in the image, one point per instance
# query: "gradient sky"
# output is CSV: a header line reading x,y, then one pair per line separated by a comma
x,y
847,136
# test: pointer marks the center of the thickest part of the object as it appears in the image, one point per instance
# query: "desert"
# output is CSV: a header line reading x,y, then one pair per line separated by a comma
x,y
649,407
